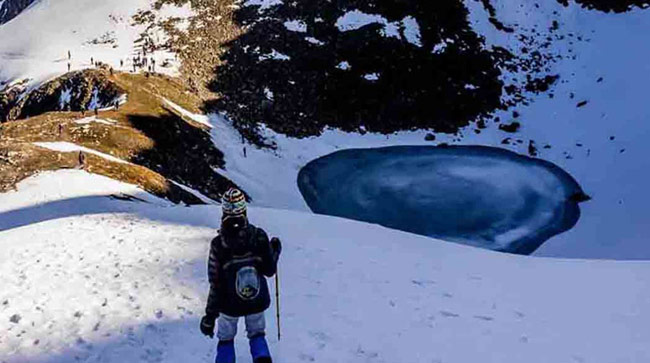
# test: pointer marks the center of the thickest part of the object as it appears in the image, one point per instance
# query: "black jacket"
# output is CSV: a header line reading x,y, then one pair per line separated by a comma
x,y
237,270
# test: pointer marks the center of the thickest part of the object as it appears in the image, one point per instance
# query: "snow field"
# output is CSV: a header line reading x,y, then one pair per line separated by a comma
x,y
102,280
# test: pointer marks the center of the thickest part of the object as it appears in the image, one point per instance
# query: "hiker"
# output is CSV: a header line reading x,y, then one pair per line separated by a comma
x,y
68,66
241,256
82,160
121,63
60,130
69,55
117,105
92,61
96,111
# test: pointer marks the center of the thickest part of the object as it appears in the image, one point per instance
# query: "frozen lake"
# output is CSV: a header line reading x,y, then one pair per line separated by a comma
x,y
481,196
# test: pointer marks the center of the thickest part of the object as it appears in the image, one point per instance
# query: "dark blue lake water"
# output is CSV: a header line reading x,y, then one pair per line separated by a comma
x,y
480,196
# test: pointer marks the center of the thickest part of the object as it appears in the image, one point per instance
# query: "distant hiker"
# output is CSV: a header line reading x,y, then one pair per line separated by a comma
x,y
82,160
68,66
83,111
92,61
153,64
241,256
111,70
69,55
60,130
121,63
244,151
96,111
117,105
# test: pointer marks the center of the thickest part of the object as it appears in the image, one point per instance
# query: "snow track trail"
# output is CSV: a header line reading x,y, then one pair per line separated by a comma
x,y
90,278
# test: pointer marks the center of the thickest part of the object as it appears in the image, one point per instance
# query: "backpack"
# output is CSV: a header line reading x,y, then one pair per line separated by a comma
x,y
244,290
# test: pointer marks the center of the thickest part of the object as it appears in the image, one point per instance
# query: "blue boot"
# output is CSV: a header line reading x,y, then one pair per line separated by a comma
x,y
259,349
225,351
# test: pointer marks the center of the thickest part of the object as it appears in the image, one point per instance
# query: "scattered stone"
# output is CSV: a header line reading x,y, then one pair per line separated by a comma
x,y
580,197
532,148
582,104
511,128
15,318
506,141
430,137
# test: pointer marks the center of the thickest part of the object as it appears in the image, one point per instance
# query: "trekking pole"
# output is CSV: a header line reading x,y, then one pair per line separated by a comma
x,y
277,300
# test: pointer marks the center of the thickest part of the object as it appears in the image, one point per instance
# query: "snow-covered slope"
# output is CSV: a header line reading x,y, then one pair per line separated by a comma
x,y
35,44
90,278
602,144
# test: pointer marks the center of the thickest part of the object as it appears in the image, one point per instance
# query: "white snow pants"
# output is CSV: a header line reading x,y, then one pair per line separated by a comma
x,y
227,326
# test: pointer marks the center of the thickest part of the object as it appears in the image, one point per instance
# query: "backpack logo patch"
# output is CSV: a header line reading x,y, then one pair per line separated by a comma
x,y
247,283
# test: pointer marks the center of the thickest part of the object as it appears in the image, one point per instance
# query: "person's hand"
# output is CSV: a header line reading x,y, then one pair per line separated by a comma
x,y
276,245
207,325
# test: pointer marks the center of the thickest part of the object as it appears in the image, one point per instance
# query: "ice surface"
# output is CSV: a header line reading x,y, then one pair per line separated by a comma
x,y
484,197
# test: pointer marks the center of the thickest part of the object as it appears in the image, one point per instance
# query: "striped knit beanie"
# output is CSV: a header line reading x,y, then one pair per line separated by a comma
x,y
233,203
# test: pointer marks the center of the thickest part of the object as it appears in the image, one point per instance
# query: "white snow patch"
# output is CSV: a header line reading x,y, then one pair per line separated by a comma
x,y
268,93
371,76
64,98
355,19
63,146
344,65
91,119
412,31
196,193
264,4
202,119
407,28
274,55
315,41
296,26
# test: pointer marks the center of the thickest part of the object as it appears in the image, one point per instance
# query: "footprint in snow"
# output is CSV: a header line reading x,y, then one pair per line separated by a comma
x,y
483,317
448,314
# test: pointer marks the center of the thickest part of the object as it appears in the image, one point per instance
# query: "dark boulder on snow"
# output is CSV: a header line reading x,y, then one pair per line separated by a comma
x,y
511,127
9,9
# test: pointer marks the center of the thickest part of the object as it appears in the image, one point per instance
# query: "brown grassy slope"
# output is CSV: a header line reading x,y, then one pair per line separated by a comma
x,y
159,144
